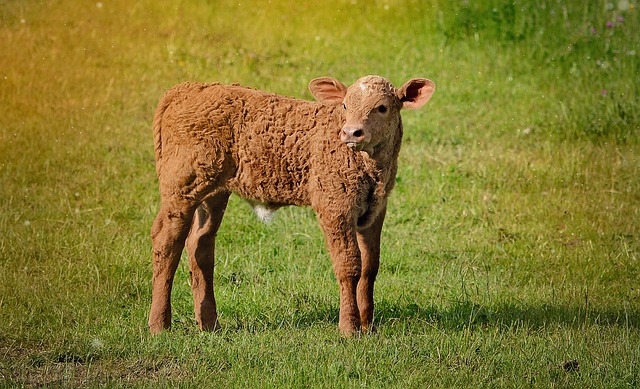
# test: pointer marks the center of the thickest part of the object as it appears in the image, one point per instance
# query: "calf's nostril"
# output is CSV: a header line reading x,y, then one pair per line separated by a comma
x,y
358,133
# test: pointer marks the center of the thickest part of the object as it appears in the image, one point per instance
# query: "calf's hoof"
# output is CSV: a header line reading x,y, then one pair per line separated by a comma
x,y
158,326
348,334
210,325
369,328
349,331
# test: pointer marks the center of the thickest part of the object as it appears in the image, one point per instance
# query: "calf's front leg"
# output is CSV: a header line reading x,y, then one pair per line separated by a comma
x,y
369,243
340,236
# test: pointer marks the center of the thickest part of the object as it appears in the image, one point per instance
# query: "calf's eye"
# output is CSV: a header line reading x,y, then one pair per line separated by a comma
x,y
382,109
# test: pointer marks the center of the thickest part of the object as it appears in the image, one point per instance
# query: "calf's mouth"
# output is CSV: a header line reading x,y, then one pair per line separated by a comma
x,y
356,146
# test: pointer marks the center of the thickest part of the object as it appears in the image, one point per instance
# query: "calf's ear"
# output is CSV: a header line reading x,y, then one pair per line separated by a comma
x,y
416,92
327,90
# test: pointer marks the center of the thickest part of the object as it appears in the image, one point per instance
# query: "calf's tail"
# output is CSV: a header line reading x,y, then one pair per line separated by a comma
x,y
166,100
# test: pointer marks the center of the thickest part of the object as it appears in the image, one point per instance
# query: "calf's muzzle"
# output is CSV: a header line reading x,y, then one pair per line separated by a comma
x,y
353,137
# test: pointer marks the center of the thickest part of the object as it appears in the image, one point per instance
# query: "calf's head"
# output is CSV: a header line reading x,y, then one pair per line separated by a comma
x,y
372,107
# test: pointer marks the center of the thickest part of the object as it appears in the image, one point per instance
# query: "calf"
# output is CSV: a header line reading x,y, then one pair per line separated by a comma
x,y
338,155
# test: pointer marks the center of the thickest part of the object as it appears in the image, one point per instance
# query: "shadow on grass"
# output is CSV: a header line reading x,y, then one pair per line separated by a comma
x,y
457,316
466,314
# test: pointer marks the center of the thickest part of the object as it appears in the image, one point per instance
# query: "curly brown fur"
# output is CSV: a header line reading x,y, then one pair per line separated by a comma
x,y
338,155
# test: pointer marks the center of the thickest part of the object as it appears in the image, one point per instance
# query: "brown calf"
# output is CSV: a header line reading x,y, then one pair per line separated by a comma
x,y
338,155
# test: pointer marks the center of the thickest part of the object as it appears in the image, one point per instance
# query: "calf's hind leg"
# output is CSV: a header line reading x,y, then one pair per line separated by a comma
x,y
200,249
169,232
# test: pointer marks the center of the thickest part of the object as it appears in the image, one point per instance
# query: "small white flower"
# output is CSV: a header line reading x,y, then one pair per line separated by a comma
x,y
96,343
623,5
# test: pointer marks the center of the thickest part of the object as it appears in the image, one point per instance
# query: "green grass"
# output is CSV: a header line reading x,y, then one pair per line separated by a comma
x,y
512,244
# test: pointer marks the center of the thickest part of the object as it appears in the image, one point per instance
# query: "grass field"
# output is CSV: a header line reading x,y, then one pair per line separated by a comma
x,y
511,250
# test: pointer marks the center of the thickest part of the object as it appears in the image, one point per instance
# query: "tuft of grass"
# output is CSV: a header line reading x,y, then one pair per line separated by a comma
x,y
510,250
